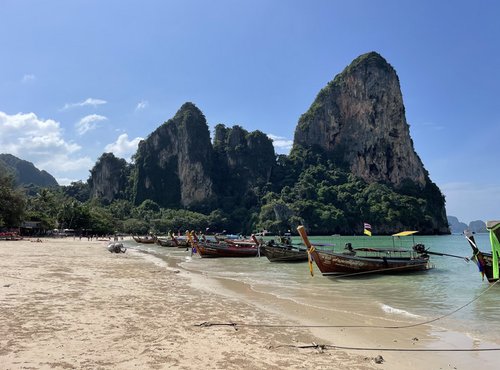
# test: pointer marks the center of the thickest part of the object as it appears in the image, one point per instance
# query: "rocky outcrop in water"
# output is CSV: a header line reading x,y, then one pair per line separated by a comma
x,y
478,226
359,120
456,227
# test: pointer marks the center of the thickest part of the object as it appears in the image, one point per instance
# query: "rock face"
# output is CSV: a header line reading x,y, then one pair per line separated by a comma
x,y
173,165
359,119
108,178
25,172
248,157
478,226
456,227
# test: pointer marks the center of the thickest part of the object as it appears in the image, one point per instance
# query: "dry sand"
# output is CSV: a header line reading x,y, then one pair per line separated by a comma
x,y
70,304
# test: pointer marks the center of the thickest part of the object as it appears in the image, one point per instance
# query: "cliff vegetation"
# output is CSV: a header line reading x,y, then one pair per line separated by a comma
x,y
352,161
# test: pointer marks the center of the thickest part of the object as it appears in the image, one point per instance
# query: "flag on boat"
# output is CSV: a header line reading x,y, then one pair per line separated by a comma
x,y
367,229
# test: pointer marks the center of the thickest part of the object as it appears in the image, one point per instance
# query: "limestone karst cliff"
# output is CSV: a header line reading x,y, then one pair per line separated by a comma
x,y
353,159
173,164
178,166
359,118
242,158
358,121
108,178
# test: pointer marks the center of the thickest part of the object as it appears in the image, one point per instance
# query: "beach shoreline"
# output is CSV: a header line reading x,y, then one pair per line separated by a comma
x,y
334,331
71,304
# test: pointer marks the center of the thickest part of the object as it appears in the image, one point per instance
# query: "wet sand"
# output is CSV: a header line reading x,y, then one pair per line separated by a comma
x,y
71,304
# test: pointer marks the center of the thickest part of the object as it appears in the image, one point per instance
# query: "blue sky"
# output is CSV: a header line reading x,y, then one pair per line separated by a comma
x,y
79,78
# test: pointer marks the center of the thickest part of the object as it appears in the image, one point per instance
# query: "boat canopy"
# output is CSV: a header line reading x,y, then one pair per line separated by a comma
x,y
405,233
492,224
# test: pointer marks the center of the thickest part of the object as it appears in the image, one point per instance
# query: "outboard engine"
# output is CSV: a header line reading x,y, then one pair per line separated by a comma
x,y
116,248
349,250
419,248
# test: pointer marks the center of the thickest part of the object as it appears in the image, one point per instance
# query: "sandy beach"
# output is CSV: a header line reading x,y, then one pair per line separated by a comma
x,y
71,304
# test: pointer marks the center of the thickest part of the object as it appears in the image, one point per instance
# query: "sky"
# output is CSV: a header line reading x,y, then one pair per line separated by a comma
x,y
83,77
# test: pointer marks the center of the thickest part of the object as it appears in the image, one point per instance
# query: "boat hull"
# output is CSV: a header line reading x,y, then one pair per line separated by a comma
x,y
143,240
284,254
330,263
207,250
488,267
166,242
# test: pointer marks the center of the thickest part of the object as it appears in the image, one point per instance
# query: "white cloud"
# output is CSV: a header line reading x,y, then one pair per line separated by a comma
x,y
39,141
143,104
28,78
281,144
123,147
472,201
88,123
65,180
90,101
64,164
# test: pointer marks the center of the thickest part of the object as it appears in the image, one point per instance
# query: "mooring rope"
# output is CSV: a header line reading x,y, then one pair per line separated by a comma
x,y
322,347
347,348
235,325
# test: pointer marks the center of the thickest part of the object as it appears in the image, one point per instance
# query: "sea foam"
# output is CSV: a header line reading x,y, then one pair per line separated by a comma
x,y
397,311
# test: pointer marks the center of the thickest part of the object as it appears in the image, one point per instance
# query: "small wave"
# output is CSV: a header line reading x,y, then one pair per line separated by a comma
x,y
397,311
151,256
155,260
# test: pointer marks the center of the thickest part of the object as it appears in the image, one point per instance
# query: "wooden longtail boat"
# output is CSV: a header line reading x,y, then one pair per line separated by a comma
x,y
209,249
374,260
488,263
144,239
284,251
10,236
180,241
166,241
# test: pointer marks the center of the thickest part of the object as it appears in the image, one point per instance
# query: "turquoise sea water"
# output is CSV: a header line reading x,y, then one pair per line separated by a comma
x,y
412,297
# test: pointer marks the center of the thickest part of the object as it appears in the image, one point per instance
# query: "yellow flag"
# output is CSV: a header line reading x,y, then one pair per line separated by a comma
x,y
367,232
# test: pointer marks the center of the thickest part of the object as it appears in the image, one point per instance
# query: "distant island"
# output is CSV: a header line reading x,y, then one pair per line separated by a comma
x,y
457,227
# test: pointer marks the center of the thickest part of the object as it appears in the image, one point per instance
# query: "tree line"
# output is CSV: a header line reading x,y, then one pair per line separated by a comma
x,y
305,188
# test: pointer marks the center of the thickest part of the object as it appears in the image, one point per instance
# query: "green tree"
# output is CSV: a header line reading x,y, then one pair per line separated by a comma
x,y
44,207
12,203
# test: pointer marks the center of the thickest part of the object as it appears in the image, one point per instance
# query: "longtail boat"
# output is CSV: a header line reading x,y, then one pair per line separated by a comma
x,y
372,260
144,239
488,263
284,251
10,236
213,249
180,241
166,241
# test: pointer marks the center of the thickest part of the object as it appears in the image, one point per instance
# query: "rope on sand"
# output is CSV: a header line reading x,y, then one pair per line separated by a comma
x,y
322,347
234,324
